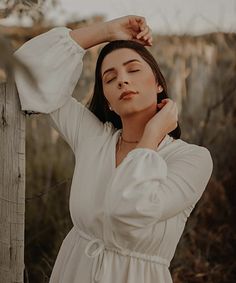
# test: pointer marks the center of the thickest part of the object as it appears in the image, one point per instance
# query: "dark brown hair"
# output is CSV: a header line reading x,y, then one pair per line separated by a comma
x,y
99,105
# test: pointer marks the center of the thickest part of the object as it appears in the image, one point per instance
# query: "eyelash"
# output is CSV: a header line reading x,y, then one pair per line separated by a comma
x,y
129,72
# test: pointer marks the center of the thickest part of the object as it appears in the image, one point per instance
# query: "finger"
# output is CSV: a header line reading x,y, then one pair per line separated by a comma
x,y
150,41
141,41
165,100
135,25
147,42
148,35
143,32
140,23
169,101
160,107
141,20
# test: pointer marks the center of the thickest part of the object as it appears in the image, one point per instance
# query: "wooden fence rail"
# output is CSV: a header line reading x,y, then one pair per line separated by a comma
x,y
12,185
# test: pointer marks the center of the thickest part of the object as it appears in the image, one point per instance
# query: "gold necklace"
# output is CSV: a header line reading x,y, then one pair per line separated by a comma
x,y
122,139
128,141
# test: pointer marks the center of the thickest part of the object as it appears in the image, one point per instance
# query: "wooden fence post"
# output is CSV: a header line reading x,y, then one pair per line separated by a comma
x,y
12,184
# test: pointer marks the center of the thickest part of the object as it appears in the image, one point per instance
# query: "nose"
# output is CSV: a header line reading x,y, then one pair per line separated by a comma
x,y
122,79
121,83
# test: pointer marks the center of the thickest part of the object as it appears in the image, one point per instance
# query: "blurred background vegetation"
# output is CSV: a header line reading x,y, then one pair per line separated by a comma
x,y
200,73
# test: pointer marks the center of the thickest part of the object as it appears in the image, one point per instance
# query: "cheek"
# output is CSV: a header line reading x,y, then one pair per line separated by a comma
x,y
150,81
108,93
149,86
149,89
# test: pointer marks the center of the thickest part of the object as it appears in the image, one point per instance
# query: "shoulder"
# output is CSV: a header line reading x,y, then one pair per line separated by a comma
x,y
194,149
188,152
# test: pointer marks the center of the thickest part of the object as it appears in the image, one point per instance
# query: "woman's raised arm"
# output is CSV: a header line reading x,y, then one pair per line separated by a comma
x,y
129,27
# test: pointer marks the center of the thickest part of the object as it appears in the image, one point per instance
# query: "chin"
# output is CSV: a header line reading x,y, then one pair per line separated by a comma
x,y
129,111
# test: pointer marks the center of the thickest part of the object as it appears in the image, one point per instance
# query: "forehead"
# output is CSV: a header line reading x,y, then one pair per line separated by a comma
x,y
119,56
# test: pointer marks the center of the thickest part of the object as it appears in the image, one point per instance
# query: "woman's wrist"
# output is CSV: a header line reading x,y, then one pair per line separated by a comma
x,y
91,35
148,140
146,144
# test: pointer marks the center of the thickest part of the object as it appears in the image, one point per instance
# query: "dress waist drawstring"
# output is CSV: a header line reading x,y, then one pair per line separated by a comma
x,y
99,265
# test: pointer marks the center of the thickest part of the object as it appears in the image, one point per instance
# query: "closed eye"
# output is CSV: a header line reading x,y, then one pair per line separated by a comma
x,y
131,71
110,80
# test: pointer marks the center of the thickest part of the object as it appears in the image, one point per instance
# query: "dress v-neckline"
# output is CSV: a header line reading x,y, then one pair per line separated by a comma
x,y
116,137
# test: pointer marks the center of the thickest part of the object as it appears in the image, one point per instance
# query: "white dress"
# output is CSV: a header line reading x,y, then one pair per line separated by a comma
x,y
127,220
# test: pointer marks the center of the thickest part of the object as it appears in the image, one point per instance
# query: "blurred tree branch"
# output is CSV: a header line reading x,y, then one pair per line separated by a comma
x,y
31,8
229,93
9,63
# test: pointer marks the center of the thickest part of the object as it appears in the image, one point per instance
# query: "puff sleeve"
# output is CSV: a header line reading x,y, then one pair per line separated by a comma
x,y
55,60
146,189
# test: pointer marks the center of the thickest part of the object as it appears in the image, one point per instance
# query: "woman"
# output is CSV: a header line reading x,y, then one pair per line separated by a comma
x,y
135,181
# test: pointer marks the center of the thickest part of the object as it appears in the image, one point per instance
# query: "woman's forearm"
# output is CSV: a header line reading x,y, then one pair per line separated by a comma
x,y
91,35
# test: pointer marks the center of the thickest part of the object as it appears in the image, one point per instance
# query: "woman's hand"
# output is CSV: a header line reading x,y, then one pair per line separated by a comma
x,y
166,118
130,28
162,123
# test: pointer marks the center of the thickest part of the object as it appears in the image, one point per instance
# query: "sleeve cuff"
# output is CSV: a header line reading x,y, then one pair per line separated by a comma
x,y
79,48
140,151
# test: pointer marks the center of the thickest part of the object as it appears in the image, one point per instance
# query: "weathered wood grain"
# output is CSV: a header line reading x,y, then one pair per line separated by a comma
x,y
12,184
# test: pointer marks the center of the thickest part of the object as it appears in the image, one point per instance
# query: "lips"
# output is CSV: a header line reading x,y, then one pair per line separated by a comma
x,y
127,92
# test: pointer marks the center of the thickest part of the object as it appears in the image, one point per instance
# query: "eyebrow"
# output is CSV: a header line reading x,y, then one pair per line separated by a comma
x,y
125,63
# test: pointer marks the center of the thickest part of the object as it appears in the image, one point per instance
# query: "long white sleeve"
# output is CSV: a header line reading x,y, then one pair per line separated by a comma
x,y
146,189
55,59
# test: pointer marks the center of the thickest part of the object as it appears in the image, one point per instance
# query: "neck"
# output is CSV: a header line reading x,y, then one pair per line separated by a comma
x,y
133,125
